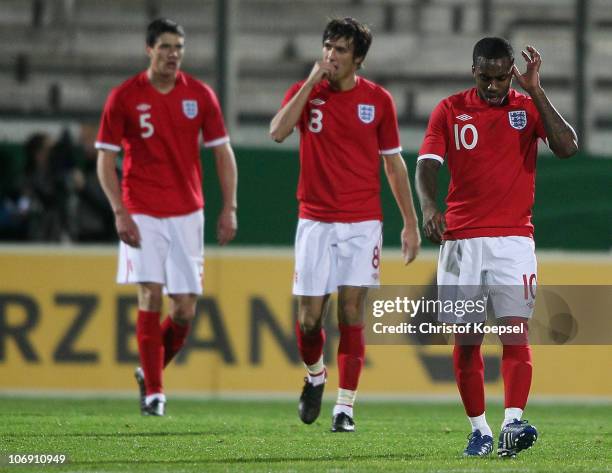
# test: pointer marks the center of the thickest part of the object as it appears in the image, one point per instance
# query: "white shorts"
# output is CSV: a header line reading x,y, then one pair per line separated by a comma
x,y
171,253
328,255
502,268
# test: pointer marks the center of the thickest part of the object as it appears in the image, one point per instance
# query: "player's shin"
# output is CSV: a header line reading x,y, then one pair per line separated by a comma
x,y
516,369
351,355
173,337
469,374
148,334
310,347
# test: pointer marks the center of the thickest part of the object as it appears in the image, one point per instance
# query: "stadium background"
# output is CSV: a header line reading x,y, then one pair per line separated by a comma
x,y
65,327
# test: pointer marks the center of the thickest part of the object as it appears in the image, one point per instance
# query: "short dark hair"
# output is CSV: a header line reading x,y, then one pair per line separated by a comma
x,y
358,33
160,26
492,48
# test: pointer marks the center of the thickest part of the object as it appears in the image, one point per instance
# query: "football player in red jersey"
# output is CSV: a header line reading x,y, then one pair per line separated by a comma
x,y
488,137
157,117
346,124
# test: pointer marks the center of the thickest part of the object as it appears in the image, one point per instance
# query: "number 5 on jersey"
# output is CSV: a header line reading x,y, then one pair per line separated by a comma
x,y
316,120
146,125
461,138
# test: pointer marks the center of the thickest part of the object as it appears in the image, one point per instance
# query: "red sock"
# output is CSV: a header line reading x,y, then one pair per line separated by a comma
x,y
469,373
516,370
516,363
351,354
173,338
148,334
310,345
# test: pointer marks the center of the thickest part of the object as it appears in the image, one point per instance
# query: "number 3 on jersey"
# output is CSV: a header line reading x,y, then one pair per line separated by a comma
x,y
316,120
146,125
461,138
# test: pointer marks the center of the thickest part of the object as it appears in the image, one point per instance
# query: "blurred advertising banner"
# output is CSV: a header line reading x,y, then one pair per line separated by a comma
x,y
65,325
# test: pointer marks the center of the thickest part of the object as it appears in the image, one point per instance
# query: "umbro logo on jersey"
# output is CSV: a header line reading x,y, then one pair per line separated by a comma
x,y
464,117
317,101
143,107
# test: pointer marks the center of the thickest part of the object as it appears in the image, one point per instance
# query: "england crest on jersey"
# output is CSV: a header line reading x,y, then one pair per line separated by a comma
x,y
518,119
366,113
190,108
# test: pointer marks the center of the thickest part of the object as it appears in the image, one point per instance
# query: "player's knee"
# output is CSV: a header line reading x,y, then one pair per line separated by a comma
x,y
517,331
466,352
310,320
183,315
517,353
310,324
150,297
471,341
310,316
183,309
350,312
467,357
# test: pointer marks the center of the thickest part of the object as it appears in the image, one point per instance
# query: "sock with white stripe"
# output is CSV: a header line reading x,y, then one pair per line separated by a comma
x,y
316,372
348,410
345,401
152,397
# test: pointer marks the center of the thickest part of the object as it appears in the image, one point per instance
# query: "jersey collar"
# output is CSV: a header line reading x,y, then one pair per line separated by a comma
x,y
325,85
181,79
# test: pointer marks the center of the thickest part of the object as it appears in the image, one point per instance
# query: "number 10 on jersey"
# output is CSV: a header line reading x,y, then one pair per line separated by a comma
x,y
461,139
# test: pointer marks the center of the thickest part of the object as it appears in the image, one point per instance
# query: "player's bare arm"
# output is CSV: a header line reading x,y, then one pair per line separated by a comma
x,y
127,230
562,138
397,175
227,223
284,121
427,187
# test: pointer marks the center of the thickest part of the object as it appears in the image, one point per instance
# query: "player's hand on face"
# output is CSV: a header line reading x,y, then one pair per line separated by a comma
x,y
433,225
320,71
226,226
127,230
530,79
411,243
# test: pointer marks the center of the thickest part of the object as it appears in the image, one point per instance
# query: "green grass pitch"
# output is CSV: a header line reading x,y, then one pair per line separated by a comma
x,y
257,436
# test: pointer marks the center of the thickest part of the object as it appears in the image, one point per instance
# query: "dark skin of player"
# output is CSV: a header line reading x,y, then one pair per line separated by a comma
x,y
493,78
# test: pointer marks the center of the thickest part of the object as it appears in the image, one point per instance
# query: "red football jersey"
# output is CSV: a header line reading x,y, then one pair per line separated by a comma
x,y
342,135
491,155
160,137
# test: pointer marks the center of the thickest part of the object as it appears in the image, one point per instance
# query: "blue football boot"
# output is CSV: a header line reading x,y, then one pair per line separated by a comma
x,y
478,445
516,436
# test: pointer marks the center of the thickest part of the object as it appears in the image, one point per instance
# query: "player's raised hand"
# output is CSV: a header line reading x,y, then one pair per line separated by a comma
x,y
320,71
530,79
127,230
411,243
227,224
434,225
